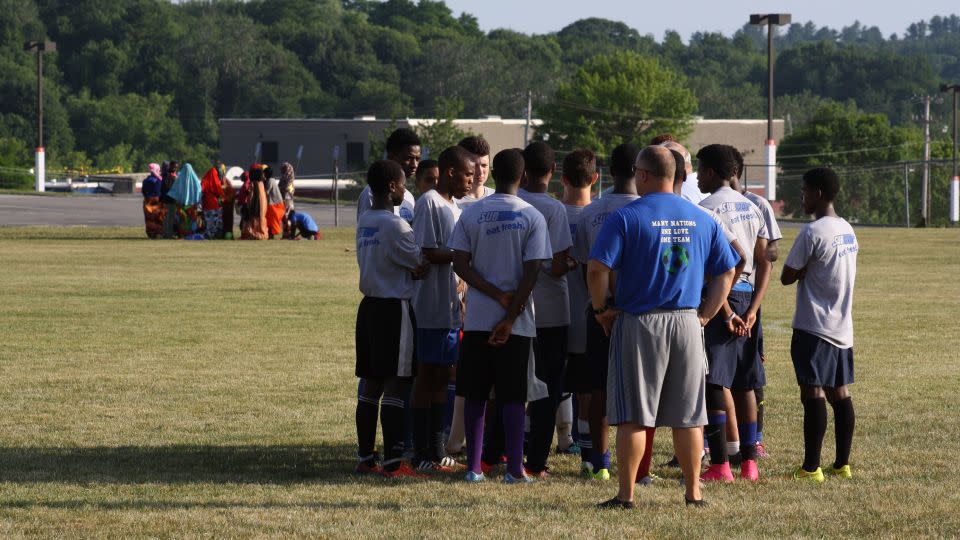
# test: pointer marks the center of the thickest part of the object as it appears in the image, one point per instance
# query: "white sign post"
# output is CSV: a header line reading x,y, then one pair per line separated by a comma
x,y
336,185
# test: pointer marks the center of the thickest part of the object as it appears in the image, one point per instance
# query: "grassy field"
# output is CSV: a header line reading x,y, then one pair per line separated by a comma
x,y
196,389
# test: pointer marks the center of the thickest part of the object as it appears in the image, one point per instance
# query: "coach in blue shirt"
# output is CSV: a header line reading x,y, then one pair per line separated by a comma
x,y
660,248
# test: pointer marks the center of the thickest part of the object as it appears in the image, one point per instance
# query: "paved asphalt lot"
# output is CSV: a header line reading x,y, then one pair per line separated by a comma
x,y
117,211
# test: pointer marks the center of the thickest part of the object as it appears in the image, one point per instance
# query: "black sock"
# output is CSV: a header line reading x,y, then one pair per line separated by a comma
x,y
716,434
367,411
814,428
421,434
438,412
843,421
392,424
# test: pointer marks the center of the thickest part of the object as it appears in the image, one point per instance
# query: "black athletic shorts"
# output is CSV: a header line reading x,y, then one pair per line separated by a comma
x,y
817,362
598,354
385,334
504,369
734,361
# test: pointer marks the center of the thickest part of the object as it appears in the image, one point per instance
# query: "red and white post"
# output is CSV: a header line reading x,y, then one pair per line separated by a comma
x,y
40,170
770,172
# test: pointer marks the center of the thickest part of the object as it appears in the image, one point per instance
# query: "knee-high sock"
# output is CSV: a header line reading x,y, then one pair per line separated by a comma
x,y
367,411
814,427
449,406
843,421
473,413
585,442
456,437
392,423
421,434
565,423
748,440
647,458
513,436
716,434
437,416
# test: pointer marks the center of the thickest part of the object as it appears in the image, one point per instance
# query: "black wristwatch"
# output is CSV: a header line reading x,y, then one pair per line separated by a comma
x,y
600,311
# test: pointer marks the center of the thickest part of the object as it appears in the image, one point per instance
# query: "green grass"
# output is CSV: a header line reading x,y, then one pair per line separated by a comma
x,y
195,389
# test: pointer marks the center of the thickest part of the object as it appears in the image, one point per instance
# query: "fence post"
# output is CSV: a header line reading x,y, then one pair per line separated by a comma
x,y
906,191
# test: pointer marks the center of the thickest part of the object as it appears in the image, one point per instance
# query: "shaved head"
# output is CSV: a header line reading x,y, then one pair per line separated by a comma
x,y
658,162
687,160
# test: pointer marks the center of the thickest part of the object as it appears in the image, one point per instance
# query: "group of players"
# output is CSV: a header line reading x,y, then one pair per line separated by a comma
x,y
494,284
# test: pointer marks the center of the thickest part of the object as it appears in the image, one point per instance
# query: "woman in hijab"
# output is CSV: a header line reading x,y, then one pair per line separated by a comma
x,y
153,210
212,204
254,224
168,174
275,207
187,193
229,194
286,186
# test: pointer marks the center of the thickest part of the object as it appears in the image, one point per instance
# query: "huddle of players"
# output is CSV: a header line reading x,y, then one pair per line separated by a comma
x,y
514,244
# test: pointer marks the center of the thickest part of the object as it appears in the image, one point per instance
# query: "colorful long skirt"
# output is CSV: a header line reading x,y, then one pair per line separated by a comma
x,y
153,214
275,213
213,220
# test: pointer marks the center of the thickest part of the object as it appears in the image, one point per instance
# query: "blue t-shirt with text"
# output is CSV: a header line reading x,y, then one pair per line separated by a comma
x,y
661,246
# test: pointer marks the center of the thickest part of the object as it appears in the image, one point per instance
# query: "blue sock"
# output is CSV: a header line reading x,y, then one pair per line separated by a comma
x,y
748,440
759,436
601,461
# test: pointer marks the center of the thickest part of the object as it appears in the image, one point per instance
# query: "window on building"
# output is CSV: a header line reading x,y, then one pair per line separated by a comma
x,y
269,152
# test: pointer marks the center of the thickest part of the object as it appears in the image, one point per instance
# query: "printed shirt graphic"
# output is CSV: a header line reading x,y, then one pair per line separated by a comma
x,y
386,252
773,228
550,294
404,210
576,293
827,248
436,303
666,245
744,220
501,232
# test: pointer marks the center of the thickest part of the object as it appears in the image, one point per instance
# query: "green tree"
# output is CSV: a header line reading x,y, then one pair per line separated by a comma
x,y
442,133
14,162
617,98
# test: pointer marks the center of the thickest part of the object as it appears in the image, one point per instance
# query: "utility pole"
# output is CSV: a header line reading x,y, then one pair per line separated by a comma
x,y
526,127
925,183
770,20
40,169
955,178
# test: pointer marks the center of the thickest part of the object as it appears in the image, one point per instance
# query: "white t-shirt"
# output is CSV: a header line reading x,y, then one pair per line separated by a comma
x,y
828,249
436,303
592,218
500,232
773,229
577,293
690,191
469,199
550,294
404,210
745,220
386,252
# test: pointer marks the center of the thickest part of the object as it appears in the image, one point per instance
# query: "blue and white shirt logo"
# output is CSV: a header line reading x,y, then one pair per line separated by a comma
x,y
498,215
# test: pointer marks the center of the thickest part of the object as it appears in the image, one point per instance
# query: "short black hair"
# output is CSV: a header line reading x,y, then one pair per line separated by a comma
x,y
427,164
662,138
825,179
719,157
539,159
453,156
622,160
381,173
680,174
508,166
400,139
476,145
579,167
739,157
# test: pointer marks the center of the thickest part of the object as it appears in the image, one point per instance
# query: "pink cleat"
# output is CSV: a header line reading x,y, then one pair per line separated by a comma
x,y
761,451
717,473
749,471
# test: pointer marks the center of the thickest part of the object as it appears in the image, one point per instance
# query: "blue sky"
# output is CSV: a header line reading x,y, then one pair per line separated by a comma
x,y
727,16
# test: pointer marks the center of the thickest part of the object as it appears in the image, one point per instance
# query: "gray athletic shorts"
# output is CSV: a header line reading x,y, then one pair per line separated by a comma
x,y
657,370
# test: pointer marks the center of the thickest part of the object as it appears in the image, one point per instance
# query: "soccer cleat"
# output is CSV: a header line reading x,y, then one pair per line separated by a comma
x,y
761,451
474,478
602,474
572,450
370,466
586,469
842,472
448,464
542,475
488,468
749,470
647,480
615,504
522,479
403,471
717,473
815,476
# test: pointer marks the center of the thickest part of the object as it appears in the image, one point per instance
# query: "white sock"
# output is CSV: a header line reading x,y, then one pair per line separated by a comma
x,y
733,447
565,424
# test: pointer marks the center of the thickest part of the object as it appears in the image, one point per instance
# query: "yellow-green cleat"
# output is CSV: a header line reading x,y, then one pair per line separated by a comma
x,y
815,476
602,474
842,472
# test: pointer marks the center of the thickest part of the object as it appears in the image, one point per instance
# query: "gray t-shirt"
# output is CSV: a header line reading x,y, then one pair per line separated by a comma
x,y
436,303
577,293
469,199
773,229
592,218
386,252
745,220
827,248
500,232
550,294
404,210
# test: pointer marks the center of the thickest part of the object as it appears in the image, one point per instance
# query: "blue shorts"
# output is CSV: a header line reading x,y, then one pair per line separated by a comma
x,y
817,362
735,361
438,346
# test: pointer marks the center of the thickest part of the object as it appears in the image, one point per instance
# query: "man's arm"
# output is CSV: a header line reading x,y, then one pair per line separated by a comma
x,y
599,281
761,281
517,303
717,291
789,276
560,265
463,267
438,255
773,250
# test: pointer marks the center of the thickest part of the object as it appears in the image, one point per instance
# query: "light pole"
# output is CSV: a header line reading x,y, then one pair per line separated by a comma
x,y
40,168
955,179
770,176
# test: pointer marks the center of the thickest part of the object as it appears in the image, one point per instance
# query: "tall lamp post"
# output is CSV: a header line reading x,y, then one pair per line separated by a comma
x,y
770,175
955,179
40,47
